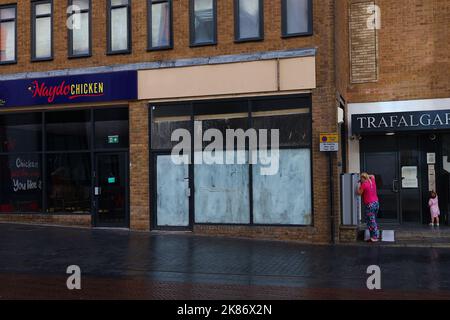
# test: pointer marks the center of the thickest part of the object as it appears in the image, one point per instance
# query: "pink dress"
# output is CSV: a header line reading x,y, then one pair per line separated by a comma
x,y
434,207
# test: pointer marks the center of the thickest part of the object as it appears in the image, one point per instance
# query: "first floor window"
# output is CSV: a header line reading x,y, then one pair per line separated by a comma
x,y
203,22
42,23
119,26
7,33
296,17
249,19
79,33
160,24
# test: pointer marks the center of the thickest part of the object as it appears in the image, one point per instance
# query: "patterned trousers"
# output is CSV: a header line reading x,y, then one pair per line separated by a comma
x,y
371,211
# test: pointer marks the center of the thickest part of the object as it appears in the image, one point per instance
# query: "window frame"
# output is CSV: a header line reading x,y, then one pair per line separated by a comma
x,y
109,9
70,53
192,42
8,6
34,17
150,4
284,33
187,109
237,27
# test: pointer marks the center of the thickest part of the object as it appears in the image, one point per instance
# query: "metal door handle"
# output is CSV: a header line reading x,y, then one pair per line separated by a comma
x,y
394,189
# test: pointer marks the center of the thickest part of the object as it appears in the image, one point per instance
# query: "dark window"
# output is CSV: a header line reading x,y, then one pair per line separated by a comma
x,y
8,31
68,130
119,26
111,128
249,20
80,31
21,183
42,30
203,20
296,17
55,165
160,24
69,183
21,132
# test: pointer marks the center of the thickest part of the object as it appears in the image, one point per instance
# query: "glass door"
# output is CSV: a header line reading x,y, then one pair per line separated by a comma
x,y
384,165
410,186
111,190
395,162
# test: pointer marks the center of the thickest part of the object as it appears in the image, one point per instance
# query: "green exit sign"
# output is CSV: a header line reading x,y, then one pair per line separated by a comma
x,y
113,139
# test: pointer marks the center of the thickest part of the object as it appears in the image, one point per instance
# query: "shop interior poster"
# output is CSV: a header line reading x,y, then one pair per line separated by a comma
x,y
409,177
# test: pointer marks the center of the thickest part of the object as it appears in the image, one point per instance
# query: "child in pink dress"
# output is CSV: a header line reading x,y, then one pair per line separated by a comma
x,y
433,203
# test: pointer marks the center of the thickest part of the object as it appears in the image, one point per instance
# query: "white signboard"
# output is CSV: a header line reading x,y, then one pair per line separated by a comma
x,y
409,177
431,158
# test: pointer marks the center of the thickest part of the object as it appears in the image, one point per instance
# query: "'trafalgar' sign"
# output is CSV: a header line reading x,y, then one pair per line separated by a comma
x,y
100,87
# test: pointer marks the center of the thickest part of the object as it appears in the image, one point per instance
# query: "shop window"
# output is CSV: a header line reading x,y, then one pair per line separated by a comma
x,y
68,130
249,20
160,24
111,128
296,17
293,125
80,33
119,26
21,132
165,120
21,183
272,189
42,33
69,183
222,191
203,18
8,33
284,198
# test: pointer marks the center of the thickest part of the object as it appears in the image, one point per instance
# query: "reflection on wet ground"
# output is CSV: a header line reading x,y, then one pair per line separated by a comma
x,y
123,264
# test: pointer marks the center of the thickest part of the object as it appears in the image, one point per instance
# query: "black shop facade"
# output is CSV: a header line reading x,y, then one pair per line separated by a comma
x,y
406,145
64,148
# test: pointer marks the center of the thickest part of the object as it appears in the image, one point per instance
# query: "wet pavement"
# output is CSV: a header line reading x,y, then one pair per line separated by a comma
x,y
118,264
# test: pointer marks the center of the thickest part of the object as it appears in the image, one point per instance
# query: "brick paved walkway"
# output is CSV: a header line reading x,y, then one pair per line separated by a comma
x,y
123,265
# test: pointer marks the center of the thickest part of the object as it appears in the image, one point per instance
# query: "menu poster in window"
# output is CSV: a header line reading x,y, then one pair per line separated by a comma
x,y
409,177
25,173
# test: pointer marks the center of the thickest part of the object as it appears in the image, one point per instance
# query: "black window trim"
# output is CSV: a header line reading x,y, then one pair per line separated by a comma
x,y
71,55
237,27
8,6
150,4
153,153
192,43
284,33
109,9
33,28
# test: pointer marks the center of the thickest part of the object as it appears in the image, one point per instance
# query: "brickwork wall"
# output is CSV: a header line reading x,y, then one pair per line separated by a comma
x,y
66,220
139,167
413,52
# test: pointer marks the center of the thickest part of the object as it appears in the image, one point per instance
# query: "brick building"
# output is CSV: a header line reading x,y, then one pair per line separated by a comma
x,y
87,113
394,83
